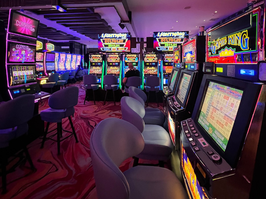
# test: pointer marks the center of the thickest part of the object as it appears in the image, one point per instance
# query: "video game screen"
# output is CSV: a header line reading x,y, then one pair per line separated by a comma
x,y
56,60
183,87
21,53
113,64
114,42
96,70
78,61
177,55
50,66
21,74
131,58
68,61
39,56
50,57
73,62
39,66
62,61
96,59
22,24
173,80
168,63
218,112
189,51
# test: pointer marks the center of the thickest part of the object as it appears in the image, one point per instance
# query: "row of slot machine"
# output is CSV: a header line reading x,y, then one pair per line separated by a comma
x,y
117,64
216,111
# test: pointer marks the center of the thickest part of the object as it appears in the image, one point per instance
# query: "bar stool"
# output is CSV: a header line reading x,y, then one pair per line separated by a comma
x,y
110,84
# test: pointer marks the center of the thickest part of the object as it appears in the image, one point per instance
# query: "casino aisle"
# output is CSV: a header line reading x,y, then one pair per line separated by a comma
x,y
70,174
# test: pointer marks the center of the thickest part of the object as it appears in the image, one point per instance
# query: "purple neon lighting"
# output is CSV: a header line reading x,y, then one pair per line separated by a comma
x,y
7,79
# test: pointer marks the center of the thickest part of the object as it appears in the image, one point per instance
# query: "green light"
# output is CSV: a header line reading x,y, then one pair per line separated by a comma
x,y
120,75
219,69
142,75
102,74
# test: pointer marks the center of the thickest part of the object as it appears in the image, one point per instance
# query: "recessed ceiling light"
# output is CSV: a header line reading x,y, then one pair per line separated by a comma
x,y
196,26
172,27
176,21
204,20
215,11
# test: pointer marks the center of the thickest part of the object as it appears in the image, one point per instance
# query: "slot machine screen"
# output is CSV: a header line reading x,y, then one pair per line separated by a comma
x,y
151,64
39,67
183,88
218,112
50,66
68,61
62,61
173,80
189,52
131,58
50,57
113,62
168,63
21,74
96,60
39,56
56,61
21,53
73,62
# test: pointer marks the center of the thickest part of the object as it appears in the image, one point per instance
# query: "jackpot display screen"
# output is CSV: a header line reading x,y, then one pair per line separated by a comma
x,y
168,63
173,80
50,57
177,55
151,64
218,112
194,187
189,52
131,58
68,61
116,42
21,53
39,66
95,59
73,62
56,61
21,74
50,66
62,61
78,61
167,41
39,56
183,87
22,24
236,42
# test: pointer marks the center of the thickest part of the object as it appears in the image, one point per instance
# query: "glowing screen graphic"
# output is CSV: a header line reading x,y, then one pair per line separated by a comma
x,y
50,56
23,25
218,112
21,53
62,60
150,64
56,60
113,64
131,58
21,74
68,62
50,66
173,80
168,63
73,62
183,87
116,42
39,56
39,67
189,51
171,127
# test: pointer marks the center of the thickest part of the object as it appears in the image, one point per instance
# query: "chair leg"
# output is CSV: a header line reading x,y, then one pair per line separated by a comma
x,y
3,173
29,158
161,163
59,135
45,134
93,93
136,161
72,126
114,96
105,97
86,96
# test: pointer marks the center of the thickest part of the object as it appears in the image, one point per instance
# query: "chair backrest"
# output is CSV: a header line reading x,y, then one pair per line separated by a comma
x,y
65,98
133,81
152,81
109,80
113,141
65,76
88,80
137,94
80,73
133,112
54,77
16,112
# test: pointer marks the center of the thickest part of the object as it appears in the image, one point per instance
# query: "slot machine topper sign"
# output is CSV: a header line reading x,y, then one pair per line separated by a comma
x,y
167,41
116,42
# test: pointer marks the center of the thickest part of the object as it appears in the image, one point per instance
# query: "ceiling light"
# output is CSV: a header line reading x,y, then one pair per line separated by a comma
x,y
215,11
204,20
60,8
196,26
176,21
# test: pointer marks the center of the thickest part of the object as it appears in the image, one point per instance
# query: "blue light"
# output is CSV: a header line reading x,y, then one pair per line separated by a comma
x,y
16,91
247,72
192,66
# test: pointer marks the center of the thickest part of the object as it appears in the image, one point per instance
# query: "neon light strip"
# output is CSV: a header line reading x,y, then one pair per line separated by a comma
x,y
7,77
142,75
161,85
21,42
120,75
44,60
103,63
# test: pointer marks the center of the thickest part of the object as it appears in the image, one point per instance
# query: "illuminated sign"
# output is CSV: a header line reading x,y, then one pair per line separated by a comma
x,y
119,42
96,58
189,51
113,58
237,46
50,47
39,45
150,58
177,53
167,41
131,58
22,24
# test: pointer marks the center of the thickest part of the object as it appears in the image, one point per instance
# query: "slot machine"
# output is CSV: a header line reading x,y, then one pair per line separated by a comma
x,y
61,63
114,66
222,144
150,67
96,67
50,63
21,58
79,61
68,62
40,69
167,66
73,62
134,59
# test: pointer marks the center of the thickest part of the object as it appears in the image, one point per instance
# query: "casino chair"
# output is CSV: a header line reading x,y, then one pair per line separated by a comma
x,y
63,80
72,76
158,145
152,85
52,81
110,84
14,118
152,115
132,81
113,141
90,83
61,105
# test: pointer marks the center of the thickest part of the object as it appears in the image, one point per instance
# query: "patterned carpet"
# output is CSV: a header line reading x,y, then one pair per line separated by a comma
x,y
68,175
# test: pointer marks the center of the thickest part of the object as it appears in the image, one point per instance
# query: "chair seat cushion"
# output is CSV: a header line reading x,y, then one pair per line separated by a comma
x,y
148,182
61,82
111,87
148,88
92,86
154,116
49,85
56,115
158,145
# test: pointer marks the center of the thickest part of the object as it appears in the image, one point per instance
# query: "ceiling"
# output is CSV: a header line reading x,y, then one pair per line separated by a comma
x,y
83,22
